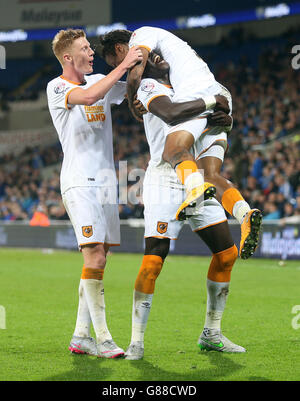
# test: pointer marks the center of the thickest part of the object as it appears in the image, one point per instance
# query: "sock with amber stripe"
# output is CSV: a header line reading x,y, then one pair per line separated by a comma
x,y
92,281
188,174
217,284
143,294
234,203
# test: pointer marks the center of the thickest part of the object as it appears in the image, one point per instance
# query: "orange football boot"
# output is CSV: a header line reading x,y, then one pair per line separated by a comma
x,y
250,229
206,190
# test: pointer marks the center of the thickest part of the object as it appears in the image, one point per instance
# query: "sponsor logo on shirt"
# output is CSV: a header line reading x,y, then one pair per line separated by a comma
x,y
94,113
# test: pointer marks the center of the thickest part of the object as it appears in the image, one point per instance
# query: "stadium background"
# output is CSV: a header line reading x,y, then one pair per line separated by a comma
x,y
252,49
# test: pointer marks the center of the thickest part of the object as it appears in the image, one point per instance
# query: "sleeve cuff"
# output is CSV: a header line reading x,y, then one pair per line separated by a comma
x,y
154,97
68,107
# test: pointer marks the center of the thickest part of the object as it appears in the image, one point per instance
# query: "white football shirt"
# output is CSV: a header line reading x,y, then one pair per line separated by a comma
x,y
189,74
85,133
155,130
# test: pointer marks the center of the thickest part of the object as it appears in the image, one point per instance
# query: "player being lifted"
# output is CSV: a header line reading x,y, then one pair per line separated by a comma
x,y
79,105
162,194
191,79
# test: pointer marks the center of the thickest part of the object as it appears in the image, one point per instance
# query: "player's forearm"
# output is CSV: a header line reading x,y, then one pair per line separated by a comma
x,y
134,77
176,113
133,83
98,90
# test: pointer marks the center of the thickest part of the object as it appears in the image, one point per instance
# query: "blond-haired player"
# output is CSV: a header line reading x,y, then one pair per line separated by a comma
x,y
191,79
79,105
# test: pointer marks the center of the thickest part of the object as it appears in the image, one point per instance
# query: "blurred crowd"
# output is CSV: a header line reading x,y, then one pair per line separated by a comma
x,y
25,191
269,180
266,98
261,161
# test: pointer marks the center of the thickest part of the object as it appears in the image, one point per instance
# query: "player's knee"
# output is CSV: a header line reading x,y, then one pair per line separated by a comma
x,y
148,273
211,176
151,272
151,267
94,257
221,264
176,154
100,261
227,258
97,262
177,147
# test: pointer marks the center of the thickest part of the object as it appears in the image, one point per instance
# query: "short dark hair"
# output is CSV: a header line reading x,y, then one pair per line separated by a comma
x,y
110,39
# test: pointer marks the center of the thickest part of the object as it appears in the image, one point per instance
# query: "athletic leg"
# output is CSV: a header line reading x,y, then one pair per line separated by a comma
x,y
82,342
91,225
177,153
155,253
234,203
219,240
94,256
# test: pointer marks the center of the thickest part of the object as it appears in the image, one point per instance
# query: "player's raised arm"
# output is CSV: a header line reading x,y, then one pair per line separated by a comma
x,y
134,77
114,47
99,89
175,113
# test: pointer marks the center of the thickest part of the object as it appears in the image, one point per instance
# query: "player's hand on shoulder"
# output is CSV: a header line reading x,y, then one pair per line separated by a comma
x,y
222,104
220,119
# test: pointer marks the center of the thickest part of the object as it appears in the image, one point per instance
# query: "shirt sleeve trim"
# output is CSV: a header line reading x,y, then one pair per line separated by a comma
x,y
66,98
144,46
154,97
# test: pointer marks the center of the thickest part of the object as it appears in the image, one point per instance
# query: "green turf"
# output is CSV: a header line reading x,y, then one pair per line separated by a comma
x,y
39,293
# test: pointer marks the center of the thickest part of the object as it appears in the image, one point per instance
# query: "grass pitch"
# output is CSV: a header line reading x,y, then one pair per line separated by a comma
x,y
39,293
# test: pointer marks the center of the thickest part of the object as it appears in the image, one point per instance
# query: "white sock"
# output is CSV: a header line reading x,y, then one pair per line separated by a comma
x,y
83,322
140,313
240,209
193,180
94,292
216,300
